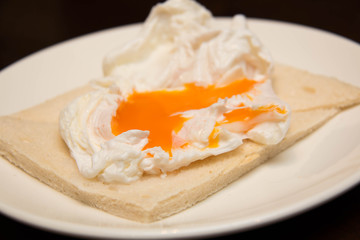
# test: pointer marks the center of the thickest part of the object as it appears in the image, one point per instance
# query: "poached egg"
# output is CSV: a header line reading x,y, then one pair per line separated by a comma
x,y
183,90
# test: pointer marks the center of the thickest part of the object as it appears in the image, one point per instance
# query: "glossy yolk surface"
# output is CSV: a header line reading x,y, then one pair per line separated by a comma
x,y
158,111
247,114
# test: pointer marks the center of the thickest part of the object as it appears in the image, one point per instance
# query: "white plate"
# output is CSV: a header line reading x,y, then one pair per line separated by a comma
x,y
320,167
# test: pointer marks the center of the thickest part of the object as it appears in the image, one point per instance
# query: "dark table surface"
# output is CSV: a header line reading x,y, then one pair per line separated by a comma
x,y
29,26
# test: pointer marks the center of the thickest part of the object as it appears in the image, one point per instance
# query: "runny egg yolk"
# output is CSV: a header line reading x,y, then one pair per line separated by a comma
x,y
158,111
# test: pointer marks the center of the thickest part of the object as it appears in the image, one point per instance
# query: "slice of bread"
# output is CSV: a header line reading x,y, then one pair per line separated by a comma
x,y
30,139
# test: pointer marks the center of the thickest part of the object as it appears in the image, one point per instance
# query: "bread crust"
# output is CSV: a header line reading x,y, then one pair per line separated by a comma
x,y
31,140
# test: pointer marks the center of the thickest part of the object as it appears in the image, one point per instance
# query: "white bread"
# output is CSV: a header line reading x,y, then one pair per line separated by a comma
x,y
306,91
30,139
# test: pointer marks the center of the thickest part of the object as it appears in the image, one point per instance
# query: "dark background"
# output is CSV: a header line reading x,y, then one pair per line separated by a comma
x,y
29,26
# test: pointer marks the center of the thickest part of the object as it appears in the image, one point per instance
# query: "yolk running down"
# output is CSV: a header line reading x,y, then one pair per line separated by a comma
x,y
156,111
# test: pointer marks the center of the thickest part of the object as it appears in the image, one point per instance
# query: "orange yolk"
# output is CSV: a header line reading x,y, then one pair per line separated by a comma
x,y
244,114
158,111
249,116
